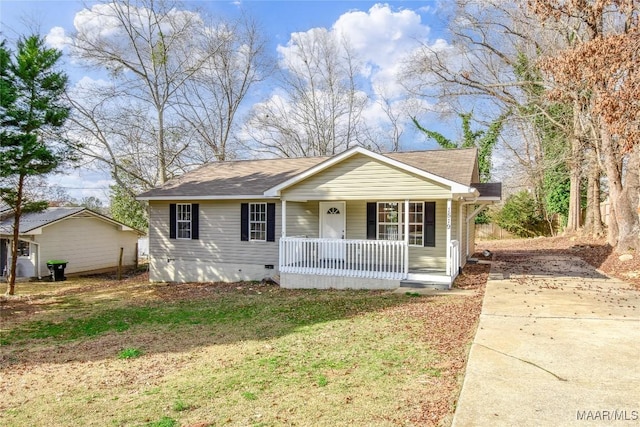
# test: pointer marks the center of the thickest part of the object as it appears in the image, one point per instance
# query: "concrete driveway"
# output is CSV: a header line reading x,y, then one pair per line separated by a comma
x,y
558,344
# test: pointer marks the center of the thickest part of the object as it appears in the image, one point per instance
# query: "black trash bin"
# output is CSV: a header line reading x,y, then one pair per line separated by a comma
x,y
56,267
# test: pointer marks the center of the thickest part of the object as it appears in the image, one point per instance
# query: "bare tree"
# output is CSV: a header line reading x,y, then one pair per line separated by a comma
x,y
492,65
175,81
317,110
209,101
150,50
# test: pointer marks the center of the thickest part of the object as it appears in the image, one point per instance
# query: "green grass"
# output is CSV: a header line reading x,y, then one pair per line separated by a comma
x,y
129,353
233,358
304,309
179,405
163,422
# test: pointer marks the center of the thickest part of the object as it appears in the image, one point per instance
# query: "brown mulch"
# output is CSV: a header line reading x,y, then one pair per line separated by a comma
x,y
596,252
448,324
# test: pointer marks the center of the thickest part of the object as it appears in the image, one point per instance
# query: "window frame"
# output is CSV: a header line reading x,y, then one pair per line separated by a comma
x,y
180,220
261,222
388,223
413,221
21,251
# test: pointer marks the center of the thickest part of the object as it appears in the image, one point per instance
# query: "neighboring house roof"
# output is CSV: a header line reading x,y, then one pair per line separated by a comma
x,y
33,222
245,179
5,210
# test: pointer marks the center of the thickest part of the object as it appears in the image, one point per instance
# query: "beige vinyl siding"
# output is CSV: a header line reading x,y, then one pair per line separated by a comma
x,y
362,178
433,257
419,256
302,219
219,240
87,243
472,232
462,237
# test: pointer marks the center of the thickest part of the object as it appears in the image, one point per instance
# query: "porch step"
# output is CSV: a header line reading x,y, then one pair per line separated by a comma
x,y
431,277
429,284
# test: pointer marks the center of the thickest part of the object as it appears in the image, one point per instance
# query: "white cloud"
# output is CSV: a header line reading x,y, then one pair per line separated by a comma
x,y
382,36
57,38
99,21
381,39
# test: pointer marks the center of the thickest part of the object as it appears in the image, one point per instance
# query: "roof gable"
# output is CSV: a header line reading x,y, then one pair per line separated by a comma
x,y
33,222
456,187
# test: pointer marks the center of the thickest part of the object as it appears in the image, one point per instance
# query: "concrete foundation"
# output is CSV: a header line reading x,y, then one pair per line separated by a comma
x,y
305,281
182,271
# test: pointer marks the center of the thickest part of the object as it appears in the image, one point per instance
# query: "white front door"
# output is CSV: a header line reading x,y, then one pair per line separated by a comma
x,y
333,226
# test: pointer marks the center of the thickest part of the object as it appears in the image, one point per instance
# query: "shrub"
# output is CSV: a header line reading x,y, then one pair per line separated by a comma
x,y
520,216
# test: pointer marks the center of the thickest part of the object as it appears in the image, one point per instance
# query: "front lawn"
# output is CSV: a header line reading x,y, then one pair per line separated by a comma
x,y
96,352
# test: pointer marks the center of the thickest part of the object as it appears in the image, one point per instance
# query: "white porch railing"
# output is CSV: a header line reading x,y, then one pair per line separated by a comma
x,y
372,259
455,259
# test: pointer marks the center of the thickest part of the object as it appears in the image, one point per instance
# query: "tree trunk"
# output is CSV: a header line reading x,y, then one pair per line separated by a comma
x,y
162,157
17,213
624,228
628,206
593,221
574,164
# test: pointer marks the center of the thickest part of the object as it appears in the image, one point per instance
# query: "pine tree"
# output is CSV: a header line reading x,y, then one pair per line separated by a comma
x,y
32,113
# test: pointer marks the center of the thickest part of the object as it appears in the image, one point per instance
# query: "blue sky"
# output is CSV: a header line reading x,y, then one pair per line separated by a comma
x,y
382,29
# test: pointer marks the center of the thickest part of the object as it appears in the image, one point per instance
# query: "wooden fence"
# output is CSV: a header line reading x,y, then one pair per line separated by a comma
x,y
491,232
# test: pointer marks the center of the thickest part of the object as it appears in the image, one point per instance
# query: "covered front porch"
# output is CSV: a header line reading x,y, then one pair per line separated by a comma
x,y
350,263
392,251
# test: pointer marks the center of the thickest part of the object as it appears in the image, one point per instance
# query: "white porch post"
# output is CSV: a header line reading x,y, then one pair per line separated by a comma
x,y
406,236
449,237
460,227
284,217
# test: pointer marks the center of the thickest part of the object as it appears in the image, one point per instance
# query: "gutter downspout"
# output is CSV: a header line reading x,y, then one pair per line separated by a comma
x,y
475,212
37,260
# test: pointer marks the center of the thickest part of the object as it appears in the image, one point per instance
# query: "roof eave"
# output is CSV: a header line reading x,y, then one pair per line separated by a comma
x,y
217,197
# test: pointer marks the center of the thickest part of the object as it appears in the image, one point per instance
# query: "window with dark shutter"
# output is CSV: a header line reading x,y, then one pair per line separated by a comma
x,y
172,221
244,222
271,222
371,220
430,224
195,221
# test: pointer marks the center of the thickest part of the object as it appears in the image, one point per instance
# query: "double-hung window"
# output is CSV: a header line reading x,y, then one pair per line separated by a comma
x,y
183,220
390,224
416,223
258,221
389,221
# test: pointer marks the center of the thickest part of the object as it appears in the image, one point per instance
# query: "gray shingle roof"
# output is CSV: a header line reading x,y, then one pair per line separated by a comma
x,y
254,177
35,220
31,221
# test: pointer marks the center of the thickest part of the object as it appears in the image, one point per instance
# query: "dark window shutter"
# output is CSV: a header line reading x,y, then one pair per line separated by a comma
x,y
172,221
244,221
271,222
195,221
430,224
372,213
